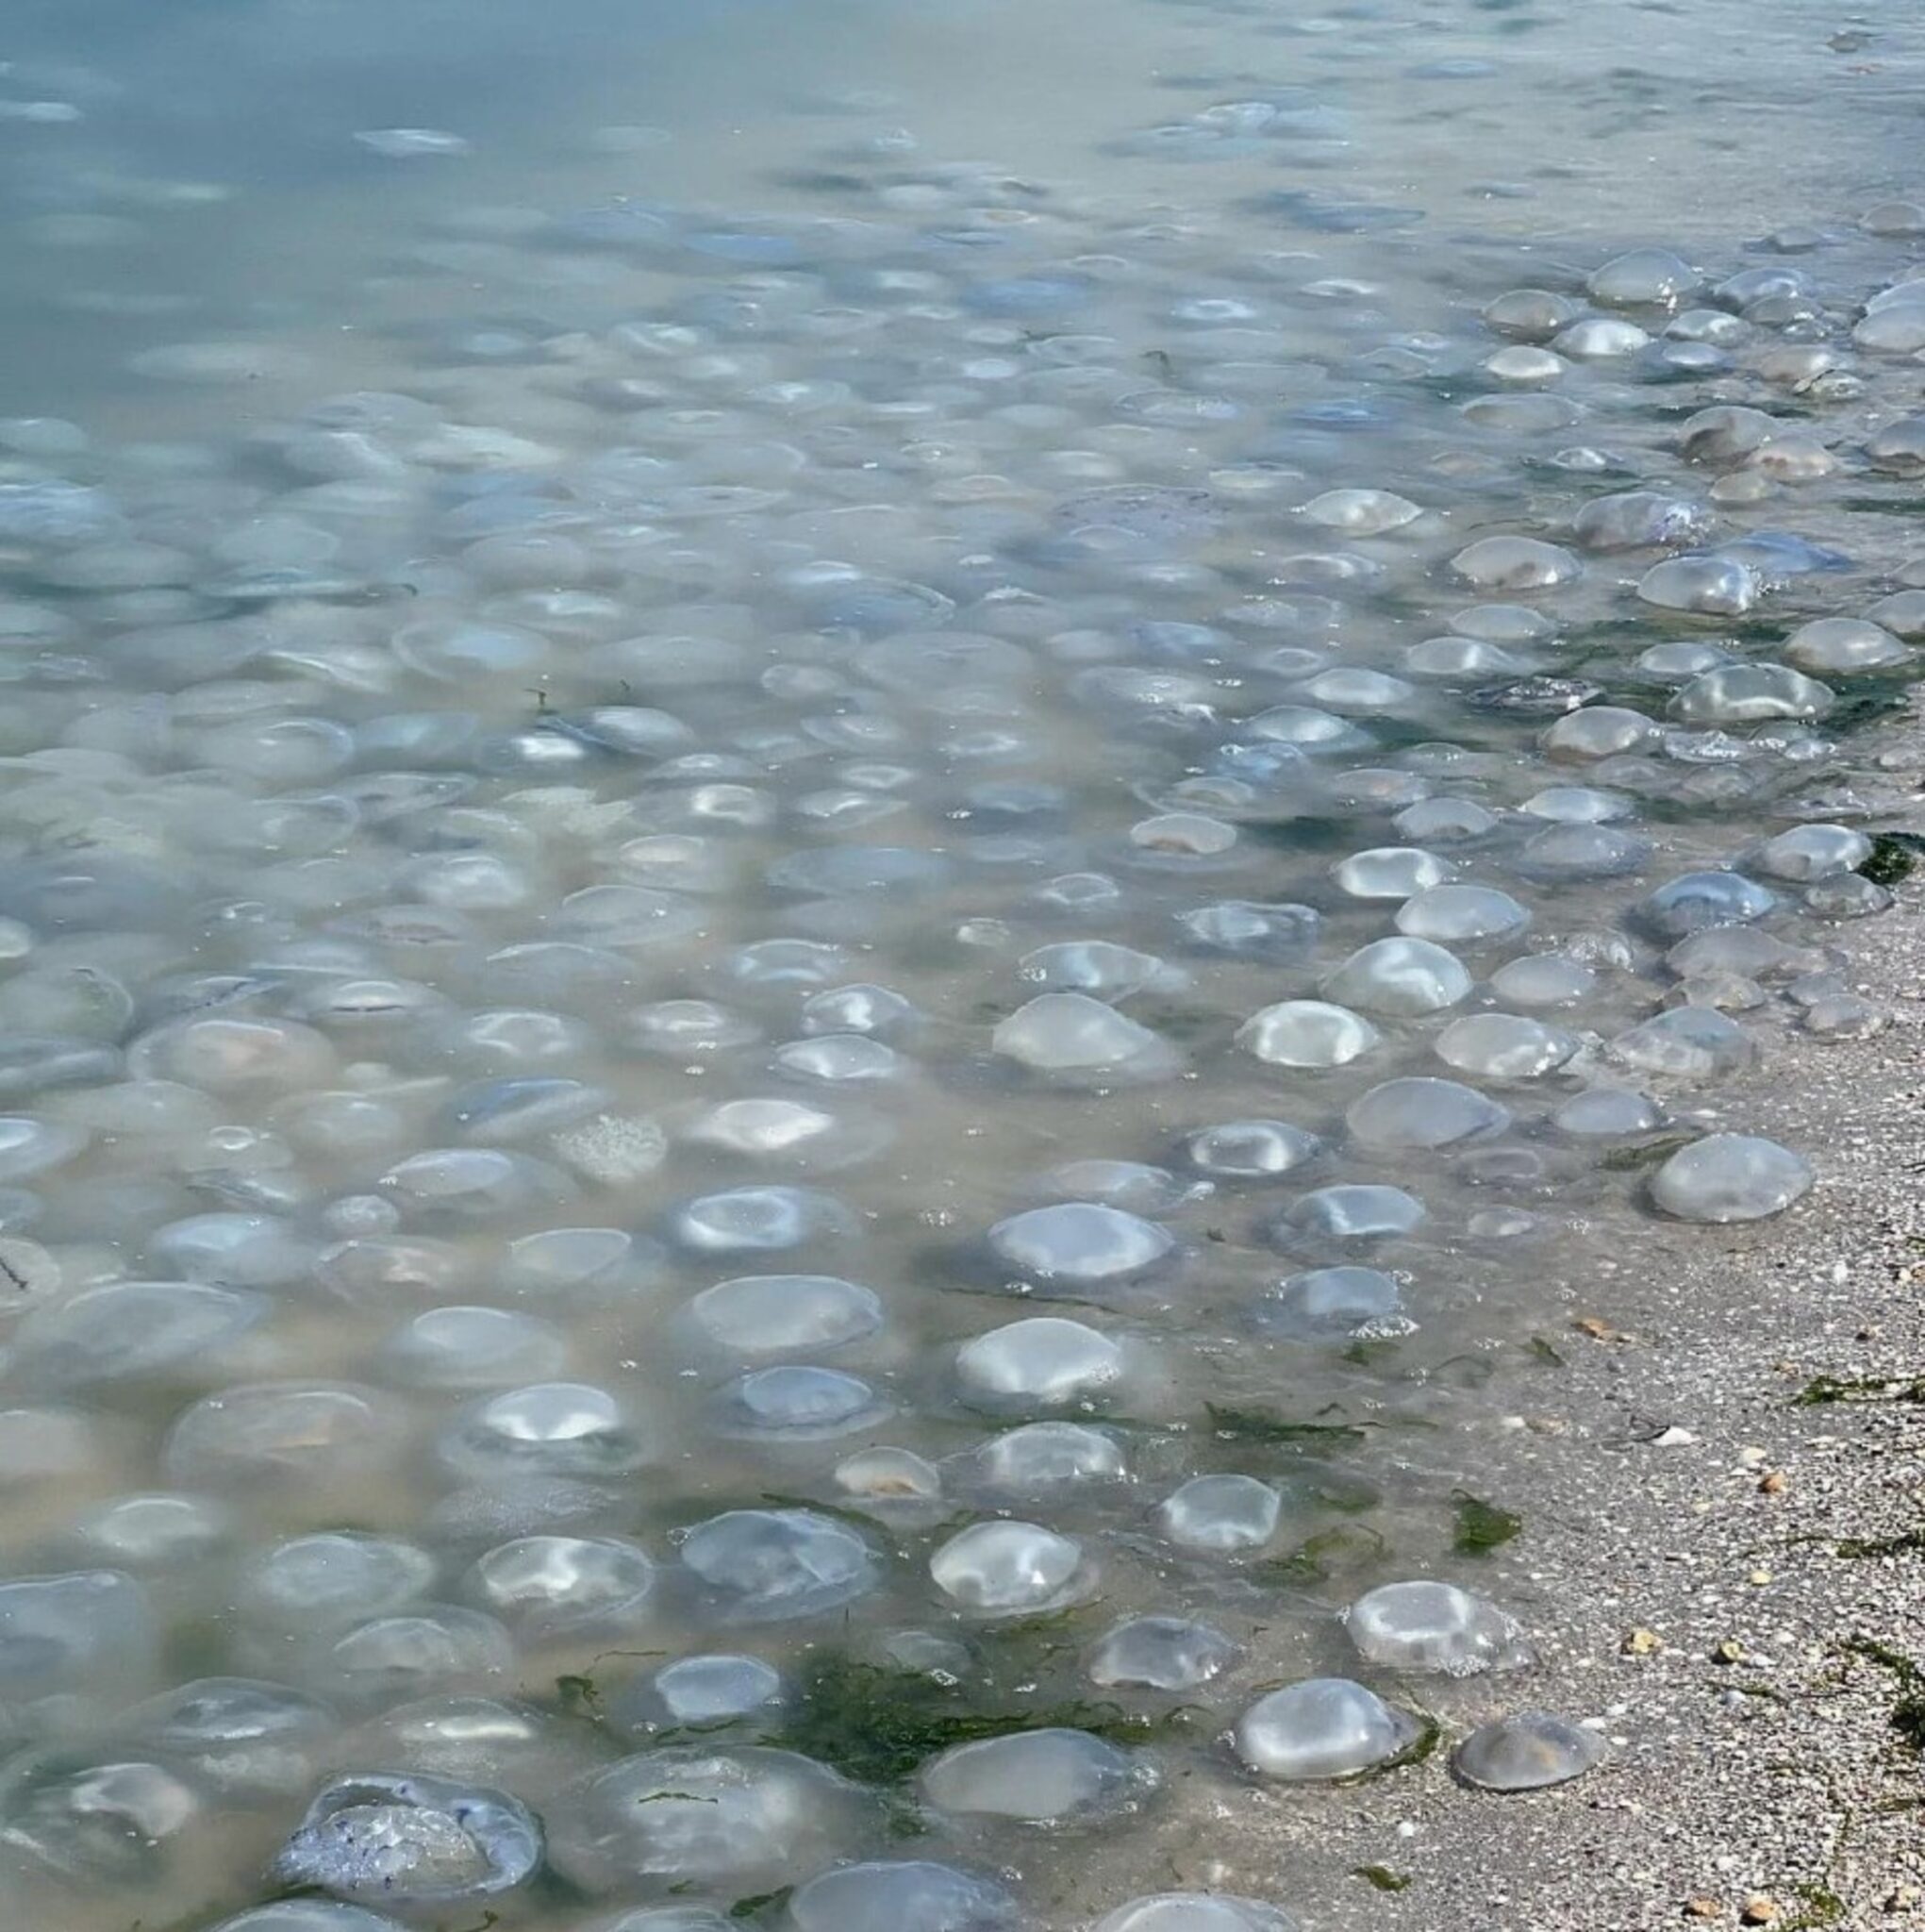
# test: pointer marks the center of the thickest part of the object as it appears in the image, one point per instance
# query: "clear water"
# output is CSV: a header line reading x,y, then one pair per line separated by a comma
x,y
594,599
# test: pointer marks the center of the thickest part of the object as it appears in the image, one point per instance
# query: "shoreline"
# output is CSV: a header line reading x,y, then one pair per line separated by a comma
x,y
1723,1493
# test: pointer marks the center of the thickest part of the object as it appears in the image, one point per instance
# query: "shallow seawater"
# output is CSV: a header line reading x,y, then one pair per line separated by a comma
x,y
848,858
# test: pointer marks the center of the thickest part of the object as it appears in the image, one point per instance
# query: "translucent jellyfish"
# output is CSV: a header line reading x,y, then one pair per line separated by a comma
x,y
1243,929
29,1147
1419,1112
1903,613
1309,728
1505,1046
1811,852
1221,1513
1352,690
1196,1911
1435,1627
770,1131
738,1821
545,1587
859,1007
689,1027
1599,339
412,1841
1071,1036
766,1566
1598,731
797,1402
1639,520
1331,1302
1161,1654
834,1059
1076,1246
1846,895
1696,899
1523,362
1350,1212
1324,1728
309,1915
575,1267
1531,314
1447,820
1515,564
281,1431
498,1111
388,1658
1644,278
1685,1043
1100,968
1047,1776
1455,657
158,1533
1899,448
888,1482
751,1221
1461,914
1250,1150
1727,1177
547,1428
1526,1753
1361,512
234,1058
1038,1363
1177,837
1843,647
1306,1033
1748,694
321,1584
1737,949
1718,434
1044,1456
779,1314
87,1634
1011,1569
1390,871
473,1348
93,1822
1678,660
1543,979
709,1691
1843,1016
134,1329
1402,977
1708,586
1131,1185
455,1185
247,1741
907,1895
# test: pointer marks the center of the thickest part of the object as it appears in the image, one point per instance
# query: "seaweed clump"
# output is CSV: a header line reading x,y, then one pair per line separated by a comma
x,y
877,1724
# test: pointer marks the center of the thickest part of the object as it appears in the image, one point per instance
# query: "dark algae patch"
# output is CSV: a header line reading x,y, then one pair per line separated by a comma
x,y
1380,1878
1481,1526
1892,857
1646,1154
760,1902
1252,1426
1909,1542
1821,1391
1345,1546
1907,1714
877,1724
